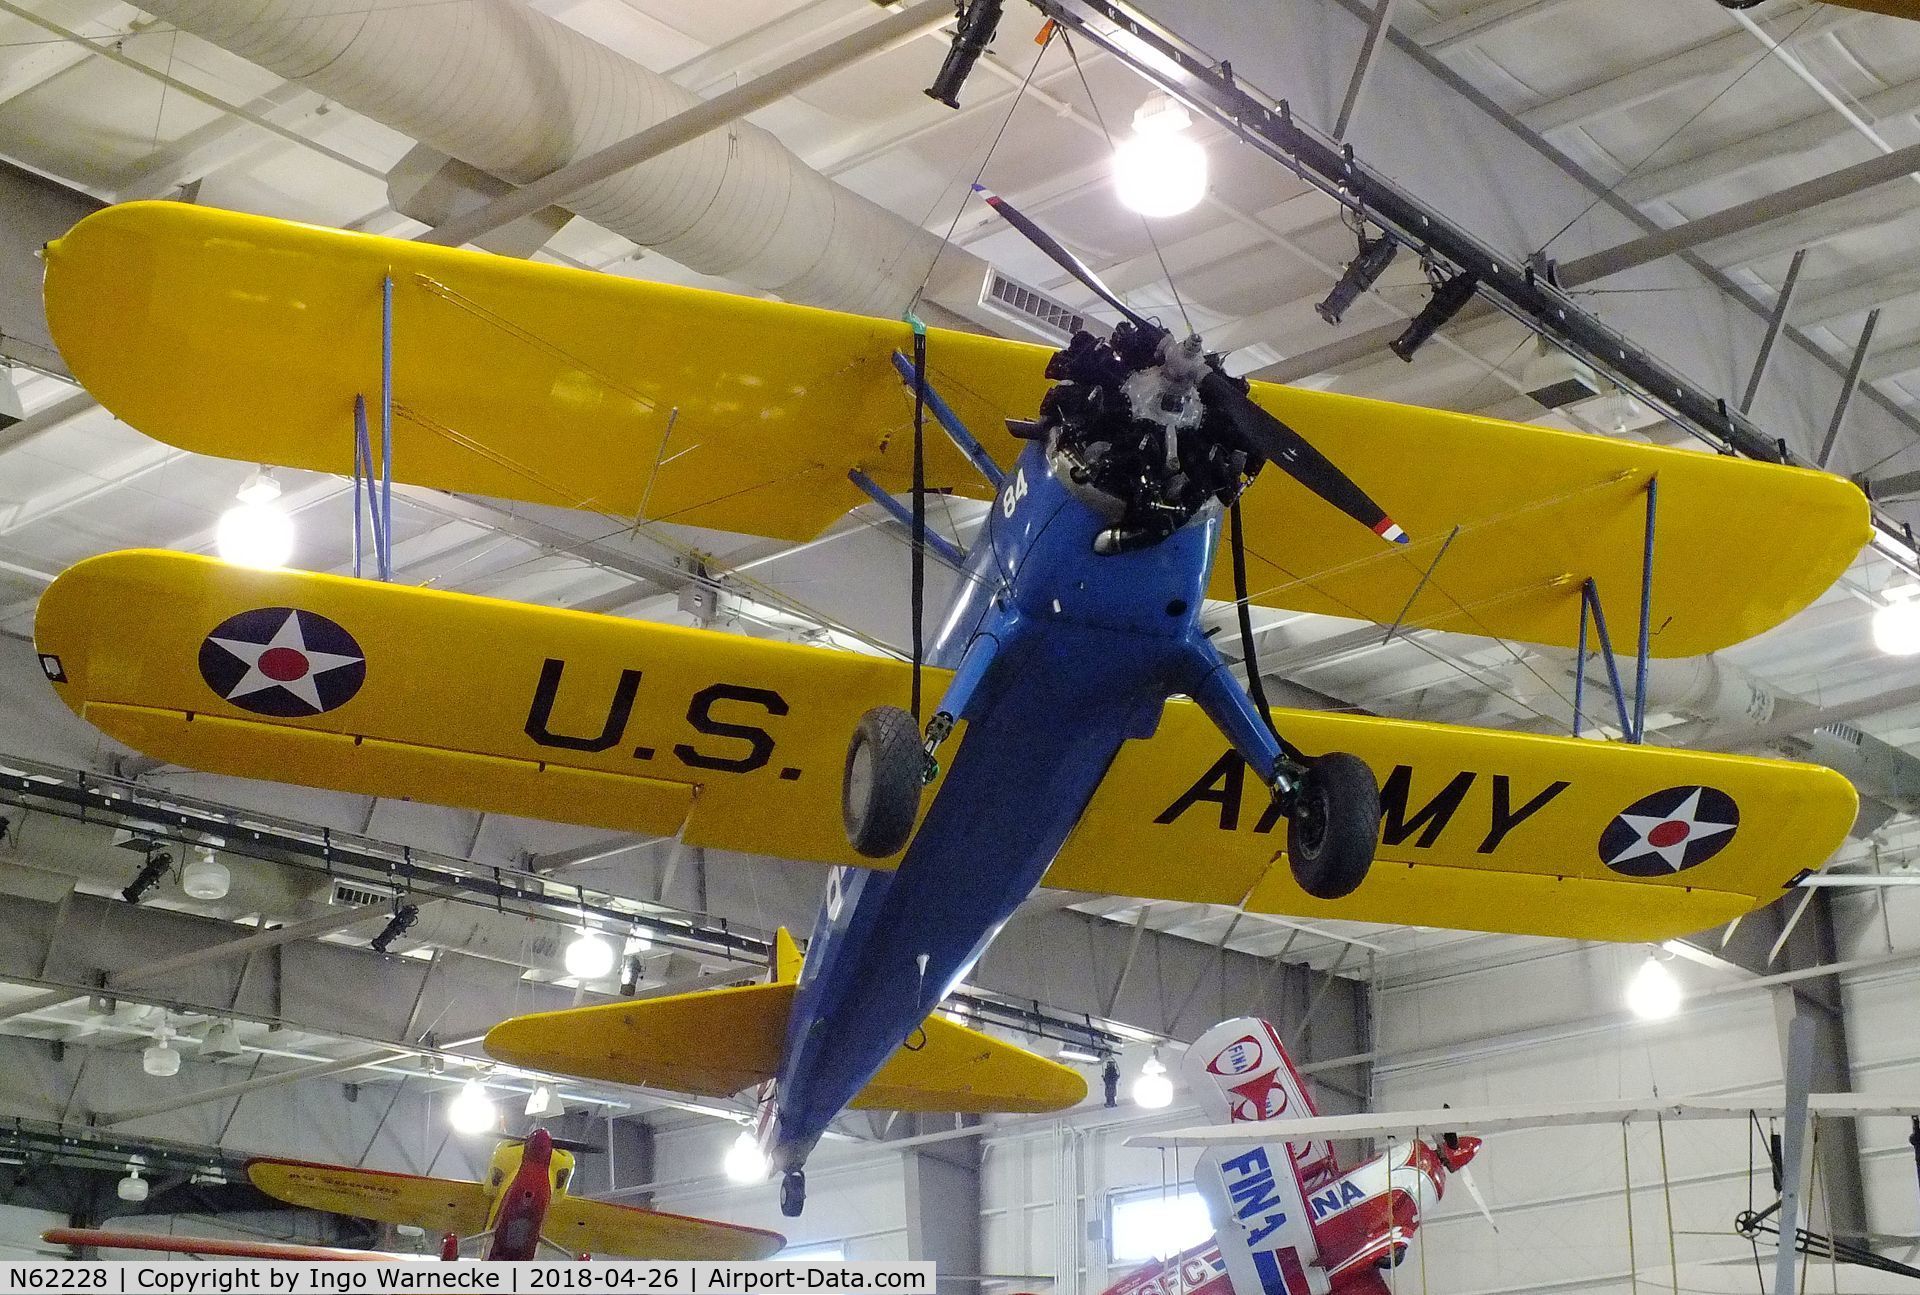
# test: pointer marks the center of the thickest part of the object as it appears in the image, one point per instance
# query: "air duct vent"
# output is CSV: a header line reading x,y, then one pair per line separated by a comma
x,y
359,894
1844,732
1029,307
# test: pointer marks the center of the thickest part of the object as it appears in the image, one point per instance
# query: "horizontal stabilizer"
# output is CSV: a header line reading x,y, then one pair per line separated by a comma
x,y
717,1042
961,1071
434,1204
711,1042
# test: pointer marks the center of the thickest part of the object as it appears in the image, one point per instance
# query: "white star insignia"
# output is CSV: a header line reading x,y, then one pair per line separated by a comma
x,y
289,638
1673,853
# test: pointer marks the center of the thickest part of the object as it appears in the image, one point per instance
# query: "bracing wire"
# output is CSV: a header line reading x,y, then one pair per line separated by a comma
x,y
1634,170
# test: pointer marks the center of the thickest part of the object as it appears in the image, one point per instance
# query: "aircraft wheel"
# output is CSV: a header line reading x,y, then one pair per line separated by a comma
x,y
880,791
793,1193
1334,825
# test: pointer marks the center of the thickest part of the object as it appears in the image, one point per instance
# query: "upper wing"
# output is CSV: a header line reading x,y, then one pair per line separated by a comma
x,y
435,1204
223,1247
588,719
249,338
603,1228
1483,830
1498,1119
1507,520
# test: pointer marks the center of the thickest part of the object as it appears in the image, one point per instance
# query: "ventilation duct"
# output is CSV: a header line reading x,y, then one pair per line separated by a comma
x,y
518,95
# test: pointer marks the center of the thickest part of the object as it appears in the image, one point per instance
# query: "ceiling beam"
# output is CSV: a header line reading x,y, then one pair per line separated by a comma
x,y
1835,186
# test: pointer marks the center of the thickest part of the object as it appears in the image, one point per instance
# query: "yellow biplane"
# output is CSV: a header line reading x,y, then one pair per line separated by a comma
x,y
521,1207
1098,741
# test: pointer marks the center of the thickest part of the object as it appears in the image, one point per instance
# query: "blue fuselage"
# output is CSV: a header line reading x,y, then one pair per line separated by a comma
x,y
1060,656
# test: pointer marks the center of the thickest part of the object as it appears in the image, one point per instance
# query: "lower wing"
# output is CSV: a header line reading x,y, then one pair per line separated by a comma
x,y
738,744
603,1228
435,1204
218,1247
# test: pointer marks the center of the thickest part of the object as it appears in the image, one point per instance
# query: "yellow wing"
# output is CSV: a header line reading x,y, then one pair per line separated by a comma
x,y
717,1042
563,716
246,337
592,720
603,1228
435,1204
1483,830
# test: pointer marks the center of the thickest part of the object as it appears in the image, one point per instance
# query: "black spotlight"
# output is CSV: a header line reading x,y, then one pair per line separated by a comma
x,y
1448,297
151,872
403,917
973,32
1110,1080
1366,267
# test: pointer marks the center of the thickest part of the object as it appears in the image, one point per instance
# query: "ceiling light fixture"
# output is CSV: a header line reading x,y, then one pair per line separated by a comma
x,y
745,1162
204,876
1654,994
1152,1090
589,957
256,531
1896,625
161,1059
132,1188
472,1111
541,1102
1162,170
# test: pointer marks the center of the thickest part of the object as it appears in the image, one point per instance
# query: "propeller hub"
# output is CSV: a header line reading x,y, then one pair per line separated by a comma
x,y
1456,1150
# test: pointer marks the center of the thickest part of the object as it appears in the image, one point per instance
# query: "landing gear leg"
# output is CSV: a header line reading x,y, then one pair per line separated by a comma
x,y
793,1192
1331,801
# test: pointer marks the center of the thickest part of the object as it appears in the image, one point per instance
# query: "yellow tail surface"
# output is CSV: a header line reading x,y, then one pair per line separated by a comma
x,y
717,1042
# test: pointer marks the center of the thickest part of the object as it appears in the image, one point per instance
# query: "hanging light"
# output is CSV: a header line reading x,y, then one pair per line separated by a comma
x,y
1653,994
256,531
161,1060
132,1188
1152,1089
204,876
1161,170
745,1162
472,1111
589,957
1896,626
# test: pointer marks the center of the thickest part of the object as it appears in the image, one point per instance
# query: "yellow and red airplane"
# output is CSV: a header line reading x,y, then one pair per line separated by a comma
x,y
522,1205
1099,741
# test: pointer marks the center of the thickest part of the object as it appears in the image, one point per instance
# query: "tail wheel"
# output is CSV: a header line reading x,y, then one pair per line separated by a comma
x,y
880,792
793,1193
1334,825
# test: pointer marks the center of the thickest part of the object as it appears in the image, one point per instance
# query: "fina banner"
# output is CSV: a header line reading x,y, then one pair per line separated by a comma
x,y
250,1277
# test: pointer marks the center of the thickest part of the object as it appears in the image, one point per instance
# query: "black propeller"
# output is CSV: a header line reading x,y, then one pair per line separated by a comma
x,y
576,1145
1255,430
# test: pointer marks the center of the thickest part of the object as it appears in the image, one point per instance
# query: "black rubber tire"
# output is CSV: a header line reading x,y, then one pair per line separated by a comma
x,y
793,1193
1334,826
880,786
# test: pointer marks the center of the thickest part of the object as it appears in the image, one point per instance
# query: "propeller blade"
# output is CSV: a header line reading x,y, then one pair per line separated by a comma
x,y
575,1145
1265,435
1060,256
1465,1177
1258,431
